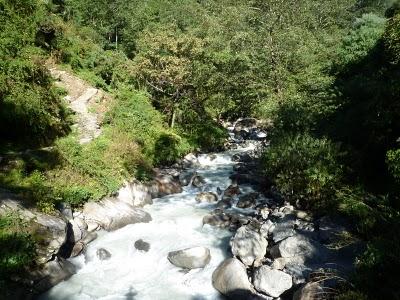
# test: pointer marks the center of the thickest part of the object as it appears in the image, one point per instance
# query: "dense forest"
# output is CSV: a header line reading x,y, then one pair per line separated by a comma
x,y
324,74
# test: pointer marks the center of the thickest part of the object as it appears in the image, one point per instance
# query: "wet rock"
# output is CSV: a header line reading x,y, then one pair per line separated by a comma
x,y
165,185
77,249
232,190
50,274
79,230
219,220
206,197
302,215
190,258
142,245
186,177
219,191
309,291
230,279
103,254
198,181
271,282
249,245
90,237
247,200
112,214
225,203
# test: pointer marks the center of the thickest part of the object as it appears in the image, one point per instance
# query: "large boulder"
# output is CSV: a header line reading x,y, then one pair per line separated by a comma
x,y
50,274
135,194
271,282
249,245
230,279
112,214
190,258
206,197
302,247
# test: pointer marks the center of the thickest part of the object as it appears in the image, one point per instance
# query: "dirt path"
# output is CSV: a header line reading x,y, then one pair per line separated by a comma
x,y
80,97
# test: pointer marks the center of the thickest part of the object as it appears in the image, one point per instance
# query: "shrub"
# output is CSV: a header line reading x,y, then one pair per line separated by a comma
x,y
304,168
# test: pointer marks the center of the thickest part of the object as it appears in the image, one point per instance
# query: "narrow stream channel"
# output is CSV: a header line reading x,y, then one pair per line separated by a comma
x,y
177,224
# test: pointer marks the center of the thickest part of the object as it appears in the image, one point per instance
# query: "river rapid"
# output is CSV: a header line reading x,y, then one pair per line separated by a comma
x,y
177,224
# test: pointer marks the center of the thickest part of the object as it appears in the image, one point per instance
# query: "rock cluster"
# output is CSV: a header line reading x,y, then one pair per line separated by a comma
x,y
276,248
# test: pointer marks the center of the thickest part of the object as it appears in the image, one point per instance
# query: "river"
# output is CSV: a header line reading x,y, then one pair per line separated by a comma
x,y
177,224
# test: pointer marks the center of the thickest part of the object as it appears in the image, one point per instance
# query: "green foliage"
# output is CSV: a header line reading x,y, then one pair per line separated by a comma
x,y
17,249
393,161
30,107
304,168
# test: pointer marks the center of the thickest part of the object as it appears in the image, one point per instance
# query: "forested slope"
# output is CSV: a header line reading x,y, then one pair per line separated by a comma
x,y
324,73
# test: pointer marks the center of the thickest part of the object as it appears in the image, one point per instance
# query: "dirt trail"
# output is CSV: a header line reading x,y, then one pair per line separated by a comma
x,y
80,98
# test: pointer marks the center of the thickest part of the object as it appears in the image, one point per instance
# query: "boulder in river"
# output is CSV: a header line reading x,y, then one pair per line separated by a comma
x,y
190,258
247,200
142,245
206,197
232,190
220,219
186,177
103,254
249,245
198,181
272,282
230,279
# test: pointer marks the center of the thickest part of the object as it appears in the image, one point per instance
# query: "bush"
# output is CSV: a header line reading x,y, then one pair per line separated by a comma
x,y
304,168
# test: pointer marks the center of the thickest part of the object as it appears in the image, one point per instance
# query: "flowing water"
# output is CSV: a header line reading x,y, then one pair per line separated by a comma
x,y
177,224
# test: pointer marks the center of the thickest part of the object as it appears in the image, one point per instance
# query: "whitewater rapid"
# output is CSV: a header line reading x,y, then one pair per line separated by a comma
x,y
177,224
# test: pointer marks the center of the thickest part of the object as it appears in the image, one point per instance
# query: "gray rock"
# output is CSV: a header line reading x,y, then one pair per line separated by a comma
x,y
136,194
249,245
219,220
77,249
267,228
190,258
50,274
65,210
165,185
247,200
300,246
91,236
225,203
112,214
198,181
283,229
186,177
103,254
230,279
142,245
271,282
232,190
206,197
